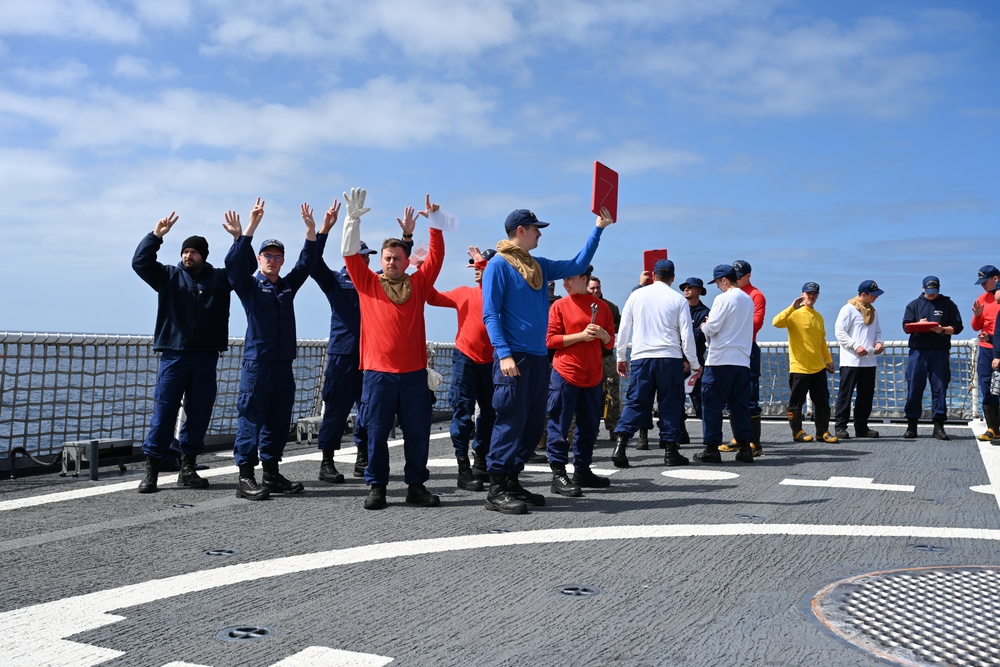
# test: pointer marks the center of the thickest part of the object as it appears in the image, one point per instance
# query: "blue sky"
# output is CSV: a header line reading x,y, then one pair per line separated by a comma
x,y
825,141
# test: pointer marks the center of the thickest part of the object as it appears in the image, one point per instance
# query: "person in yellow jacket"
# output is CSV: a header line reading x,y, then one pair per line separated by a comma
x,y
809,362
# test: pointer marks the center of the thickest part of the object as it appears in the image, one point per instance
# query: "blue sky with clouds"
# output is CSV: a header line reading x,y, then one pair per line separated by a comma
x,y
826,141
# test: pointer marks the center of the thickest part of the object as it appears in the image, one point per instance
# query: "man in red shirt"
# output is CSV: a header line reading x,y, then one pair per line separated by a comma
x,y
743,274
394,350
984,317
471,375
580,325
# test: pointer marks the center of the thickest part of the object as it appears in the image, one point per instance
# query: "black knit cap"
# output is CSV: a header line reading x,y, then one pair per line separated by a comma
x,y
199,243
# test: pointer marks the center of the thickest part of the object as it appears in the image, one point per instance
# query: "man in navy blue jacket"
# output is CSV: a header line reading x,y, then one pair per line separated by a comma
x,y
929,355
192,328
267,385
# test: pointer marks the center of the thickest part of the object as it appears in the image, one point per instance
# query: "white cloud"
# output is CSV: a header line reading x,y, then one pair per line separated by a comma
x,y
67,74
167,13
75,19
134,67
636,157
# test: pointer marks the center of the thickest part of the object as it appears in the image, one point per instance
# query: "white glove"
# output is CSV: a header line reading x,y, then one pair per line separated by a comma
x,y
434,379
351,240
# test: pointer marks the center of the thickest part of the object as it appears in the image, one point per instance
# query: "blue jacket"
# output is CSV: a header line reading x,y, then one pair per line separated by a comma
x,y
516,316
269,306
941,310
192,314
345,311
699,314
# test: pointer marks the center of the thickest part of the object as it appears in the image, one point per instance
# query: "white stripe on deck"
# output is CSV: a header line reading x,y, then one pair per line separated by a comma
x,y
848,483
103,489
991,461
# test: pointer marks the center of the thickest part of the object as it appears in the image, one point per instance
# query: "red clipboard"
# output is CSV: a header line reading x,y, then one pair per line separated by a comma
x,y
651,257
920,327
605,190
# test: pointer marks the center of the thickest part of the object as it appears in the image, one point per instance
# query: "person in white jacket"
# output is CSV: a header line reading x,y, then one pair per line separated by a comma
x,y
860,337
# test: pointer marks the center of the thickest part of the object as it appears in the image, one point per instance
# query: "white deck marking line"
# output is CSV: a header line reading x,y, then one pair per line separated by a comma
x,y
701,475
75,494
848,483
451,463
991,461
36,634
320,655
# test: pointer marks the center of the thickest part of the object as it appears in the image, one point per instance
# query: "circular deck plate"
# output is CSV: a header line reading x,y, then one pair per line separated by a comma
x,y
920,616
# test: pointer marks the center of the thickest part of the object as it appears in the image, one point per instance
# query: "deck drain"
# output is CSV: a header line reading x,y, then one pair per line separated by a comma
x,y
933,615
221,553
497,530
183,506
930,548
577,591
243,633
751,517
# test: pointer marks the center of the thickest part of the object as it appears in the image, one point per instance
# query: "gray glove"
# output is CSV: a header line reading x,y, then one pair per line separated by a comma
x,y
351,241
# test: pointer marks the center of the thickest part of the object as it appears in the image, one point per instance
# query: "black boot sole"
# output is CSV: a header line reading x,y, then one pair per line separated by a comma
x,y
516,509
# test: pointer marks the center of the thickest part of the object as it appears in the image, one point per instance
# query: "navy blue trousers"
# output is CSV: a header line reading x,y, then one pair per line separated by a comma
x,y
520,404
471,383
567,401
755,379
341,391
922,365
264,403
182,375
384,398
984,369
651,379
861,378
722,386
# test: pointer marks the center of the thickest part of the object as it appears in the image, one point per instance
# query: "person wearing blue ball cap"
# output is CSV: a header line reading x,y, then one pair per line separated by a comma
x,y
984,317
859,335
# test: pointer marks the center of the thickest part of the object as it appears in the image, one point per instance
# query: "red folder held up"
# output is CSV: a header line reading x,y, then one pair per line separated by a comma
x,y
651,257
605,190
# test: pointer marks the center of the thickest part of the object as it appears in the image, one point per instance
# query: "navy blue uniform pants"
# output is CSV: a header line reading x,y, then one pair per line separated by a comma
x,y
384,398
182,375
922,365
861,378
471,383
265,400
660,378
722,386
816,385
341,391
520,404
755,379
984,369
567,401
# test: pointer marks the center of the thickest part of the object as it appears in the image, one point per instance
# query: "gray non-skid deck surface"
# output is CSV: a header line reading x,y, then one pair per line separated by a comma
x,y
718,590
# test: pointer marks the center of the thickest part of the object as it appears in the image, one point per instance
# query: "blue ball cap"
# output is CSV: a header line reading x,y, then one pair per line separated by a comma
x,y
694,282
723,271
487,254
365,250
271,243
986,272
742,268
521,218
811,287
663,267
870,287
932,285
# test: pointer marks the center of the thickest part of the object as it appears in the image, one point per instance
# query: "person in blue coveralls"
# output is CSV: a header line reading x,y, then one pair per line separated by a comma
x,y
929,356
267,386
515,311
343,377
192,329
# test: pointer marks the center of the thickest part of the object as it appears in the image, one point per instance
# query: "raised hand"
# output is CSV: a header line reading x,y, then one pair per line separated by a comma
x,y
429,207
307,214
330,217
232,224
356,203
475,254
408,223
604,219
163,225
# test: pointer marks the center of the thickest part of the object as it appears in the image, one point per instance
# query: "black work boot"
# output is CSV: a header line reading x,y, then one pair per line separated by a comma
x,y
479,467
275,482
643,443
671,455
466,480
148,483
417,494
755,446
710,455
911,429
585,477
939,433
618,457
745,455
376,497
188,476
361,462
247,485
498,499
327,470
515,489
562,484
991,413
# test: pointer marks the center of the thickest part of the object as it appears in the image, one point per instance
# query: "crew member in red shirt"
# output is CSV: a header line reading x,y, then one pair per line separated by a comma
x,y
471,375
984,317
580,325
394,350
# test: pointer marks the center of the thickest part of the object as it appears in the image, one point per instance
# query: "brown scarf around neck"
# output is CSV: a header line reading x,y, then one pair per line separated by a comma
x,y
866,309
398,290
522,262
